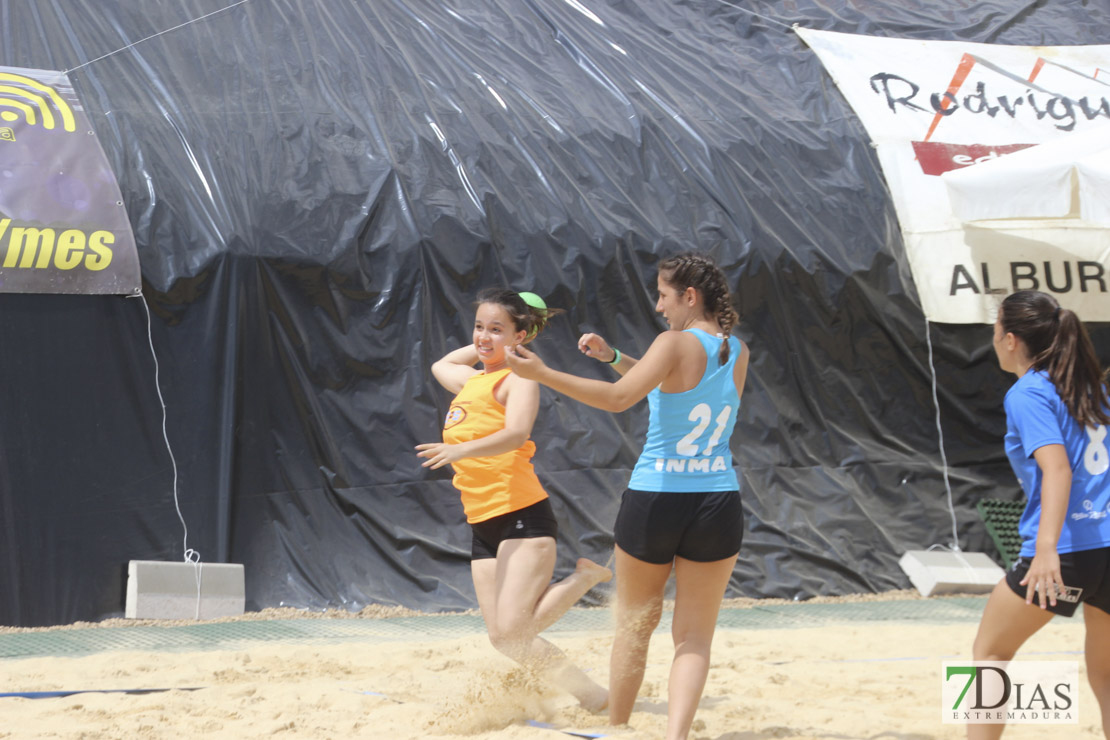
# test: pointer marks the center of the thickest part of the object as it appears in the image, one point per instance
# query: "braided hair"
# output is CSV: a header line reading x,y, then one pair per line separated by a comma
x,y
1059,345
525,317
698,271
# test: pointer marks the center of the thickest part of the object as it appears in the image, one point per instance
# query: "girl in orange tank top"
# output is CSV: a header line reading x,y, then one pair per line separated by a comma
x,y
486,441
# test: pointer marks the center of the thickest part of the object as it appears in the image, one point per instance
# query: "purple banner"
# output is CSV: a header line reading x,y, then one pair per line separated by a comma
x,y
63,227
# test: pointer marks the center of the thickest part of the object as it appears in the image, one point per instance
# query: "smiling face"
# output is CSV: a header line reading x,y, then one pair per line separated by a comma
x,y
677,307
494,334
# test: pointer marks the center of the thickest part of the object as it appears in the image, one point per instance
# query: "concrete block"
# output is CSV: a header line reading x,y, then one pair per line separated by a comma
x,y
159,590
946,572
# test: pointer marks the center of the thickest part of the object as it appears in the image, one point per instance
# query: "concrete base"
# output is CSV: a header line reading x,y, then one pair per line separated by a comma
x,y
158,590
947,572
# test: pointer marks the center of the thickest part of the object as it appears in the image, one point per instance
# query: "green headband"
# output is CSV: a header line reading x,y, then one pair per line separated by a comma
x,y
533,300
536,302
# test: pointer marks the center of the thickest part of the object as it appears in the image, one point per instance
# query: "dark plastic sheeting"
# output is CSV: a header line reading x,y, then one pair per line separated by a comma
x,y
319,189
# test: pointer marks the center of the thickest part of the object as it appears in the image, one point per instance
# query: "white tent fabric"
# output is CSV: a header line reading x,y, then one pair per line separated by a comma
x,y
1094,186
1065,178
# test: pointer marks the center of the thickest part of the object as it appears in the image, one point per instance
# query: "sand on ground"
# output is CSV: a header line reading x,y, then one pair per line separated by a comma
x,y
866,679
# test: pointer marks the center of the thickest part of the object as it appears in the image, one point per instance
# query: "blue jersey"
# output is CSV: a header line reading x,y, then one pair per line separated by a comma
x,y
687,447
1036,416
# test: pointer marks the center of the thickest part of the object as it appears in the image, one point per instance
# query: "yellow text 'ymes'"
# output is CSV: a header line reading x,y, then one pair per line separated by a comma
x,y
41,248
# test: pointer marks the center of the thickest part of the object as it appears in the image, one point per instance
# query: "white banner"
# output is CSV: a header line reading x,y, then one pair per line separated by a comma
x,y
939,111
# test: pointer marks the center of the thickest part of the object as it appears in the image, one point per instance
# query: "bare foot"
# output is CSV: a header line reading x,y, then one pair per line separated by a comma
x,y
595,700
591,696
594,572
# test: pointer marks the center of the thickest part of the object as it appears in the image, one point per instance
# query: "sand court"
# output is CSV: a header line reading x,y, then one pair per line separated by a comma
x,y
853,667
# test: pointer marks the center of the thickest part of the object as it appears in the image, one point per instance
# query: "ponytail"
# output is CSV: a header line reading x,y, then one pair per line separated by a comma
x,y
1060,346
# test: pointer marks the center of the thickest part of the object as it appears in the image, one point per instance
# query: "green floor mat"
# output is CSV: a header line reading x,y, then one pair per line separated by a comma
x,y
245,634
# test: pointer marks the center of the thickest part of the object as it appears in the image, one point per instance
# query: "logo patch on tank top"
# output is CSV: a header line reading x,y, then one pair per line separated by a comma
x,y
455,415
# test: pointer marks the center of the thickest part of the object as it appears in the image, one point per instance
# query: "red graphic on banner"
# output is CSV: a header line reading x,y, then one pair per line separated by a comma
x,y
936,157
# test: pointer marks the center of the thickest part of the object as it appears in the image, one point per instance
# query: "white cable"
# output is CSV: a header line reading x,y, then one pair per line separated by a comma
x,y
955,547
154,35
787,26
190,555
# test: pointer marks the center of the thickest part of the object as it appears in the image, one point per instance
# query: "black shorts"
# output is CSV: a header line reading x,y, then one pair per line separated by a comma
x,y
537,520
703,527
1086,576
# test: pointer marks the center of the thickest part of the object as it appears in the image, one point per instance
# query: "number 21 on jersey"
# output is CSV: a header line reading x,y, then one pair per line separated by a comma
x,y
701,415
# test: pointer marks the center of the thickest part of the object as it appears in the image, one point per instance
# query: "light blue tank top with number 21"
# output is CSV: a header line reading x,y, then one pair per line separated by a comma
x,y
687,447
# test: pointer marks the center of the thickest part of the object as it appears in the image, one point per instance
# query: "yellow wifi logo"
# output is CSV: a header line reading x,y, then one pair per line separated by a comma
x,y
35,101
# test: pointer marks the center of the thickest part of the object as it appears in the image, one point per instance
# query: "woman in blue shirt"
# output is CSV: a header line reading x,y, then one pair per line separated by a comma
x,y
1057,415
682,508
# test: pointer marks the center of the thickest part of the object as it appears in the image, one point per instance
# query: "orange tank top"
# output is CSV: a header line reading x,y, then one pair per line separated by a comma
x,y
496,485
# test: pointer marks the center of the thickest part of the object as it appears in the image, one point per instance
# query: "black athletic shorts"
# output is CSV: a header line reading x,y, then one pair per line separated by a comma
x,y
703,527
537,520
1086,576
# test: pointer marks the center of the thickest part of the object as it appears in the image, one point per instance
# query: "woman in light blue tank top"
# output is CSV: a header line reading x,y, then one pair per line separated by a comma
x,y
682,509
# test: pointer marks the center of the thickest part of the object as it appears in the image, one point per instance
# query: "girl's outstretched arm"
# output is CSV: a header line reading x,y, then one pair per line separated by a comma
x,y
647,373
